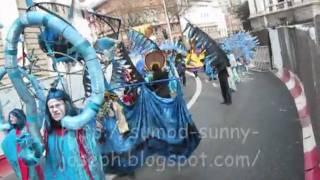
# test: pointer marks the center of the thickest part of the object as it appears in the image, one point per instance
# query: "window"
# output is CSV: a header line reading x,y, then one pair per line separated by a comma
x,y
270,5
283,21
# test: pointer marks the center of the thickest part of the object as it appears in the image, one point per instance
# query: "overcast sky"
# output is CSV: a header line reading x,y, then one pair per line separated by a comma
x,y
91,3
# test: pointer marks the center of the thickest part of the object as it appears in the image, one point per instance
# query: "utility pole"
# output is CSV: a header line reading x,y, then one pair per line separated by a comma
x,y
167,18
317,28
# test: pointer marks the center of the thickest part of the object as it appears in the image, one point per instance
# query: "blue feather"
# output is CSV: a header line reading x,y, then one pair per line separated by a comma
x,y
175,45
140,43
242,44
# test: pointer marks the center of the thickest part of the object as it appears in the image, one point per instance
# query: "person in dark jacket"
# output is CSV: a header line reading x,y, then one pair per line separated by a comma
x,y
160,88
181,68
223,75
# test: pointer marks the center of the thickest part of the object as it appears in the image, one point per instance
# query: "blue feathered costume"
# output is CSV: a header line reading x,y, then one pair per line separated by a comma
x,y
161,126
12,146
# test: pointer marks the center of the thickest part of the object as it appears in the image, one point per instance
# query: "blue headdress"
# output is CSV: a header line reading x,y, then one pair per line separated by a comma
x,y
58,94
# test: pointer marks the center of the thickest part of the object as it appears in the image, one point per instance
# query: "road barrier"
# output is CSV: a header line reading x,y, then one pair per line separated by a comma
x,y
311,153
261,61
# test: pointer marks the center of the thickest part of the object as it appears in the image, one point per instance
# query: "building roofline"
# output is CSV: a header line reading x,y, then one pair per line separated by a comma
x,y
282,10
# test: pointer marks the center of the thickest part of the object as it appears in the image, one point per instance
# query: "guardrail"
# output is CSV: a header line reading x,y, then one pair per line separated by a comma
x,y
261,60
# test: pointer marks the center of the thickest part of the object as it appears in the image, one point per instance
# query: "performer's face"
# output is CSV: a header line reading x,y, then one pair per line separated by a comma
x,y
57,109
13,119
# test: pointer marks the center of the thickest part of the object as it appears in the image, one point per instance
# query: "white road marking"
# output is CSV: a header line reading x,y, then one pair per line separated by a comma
x,y
198,90
110,177
215,85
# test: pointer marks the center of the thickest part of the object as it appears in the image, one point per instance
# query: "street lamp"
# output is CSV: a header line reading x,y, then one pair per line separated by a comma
x,y
167,18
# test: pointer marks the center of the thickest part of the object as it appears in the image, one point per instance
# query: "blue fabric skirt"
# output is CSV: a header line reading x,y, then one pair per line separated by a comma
x,y
157,126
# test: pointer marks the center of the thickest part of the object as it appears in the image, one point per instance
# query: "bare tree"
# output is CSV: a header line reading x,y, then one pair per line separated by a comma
x,y
243,13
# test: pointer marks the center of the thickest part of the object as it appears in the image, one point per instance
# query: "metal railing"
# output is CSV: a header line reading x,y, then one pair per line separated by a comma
x,y
261,60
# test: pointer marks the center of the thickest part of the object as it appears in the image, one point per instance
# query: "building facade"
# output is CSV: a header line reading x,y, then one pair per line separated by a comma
x,y
272,13
151,12
229,7
209,16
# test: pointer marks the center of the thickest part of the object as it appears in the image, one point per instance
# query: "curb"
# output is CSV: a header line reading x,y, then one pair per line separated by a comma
x,y
5,169
311,153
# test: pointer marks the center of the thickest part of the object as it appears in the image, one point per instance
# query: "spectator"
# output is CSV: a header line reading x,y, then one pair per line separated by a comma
x,y
223,79
181,68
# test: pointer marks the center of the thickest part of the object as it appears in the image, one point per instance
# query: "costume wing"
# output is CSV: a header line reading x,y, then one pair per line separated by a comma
x,y
214,54
140,44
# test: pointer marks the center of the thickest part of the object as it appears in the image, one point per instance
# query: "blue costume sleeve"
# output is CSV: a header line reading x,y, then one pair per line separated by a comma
x,y
9,149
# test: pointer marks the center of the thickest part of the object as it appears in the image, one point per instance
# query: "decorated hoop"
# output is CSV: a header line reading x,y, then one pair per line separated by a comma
x,y
81,45
156,57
